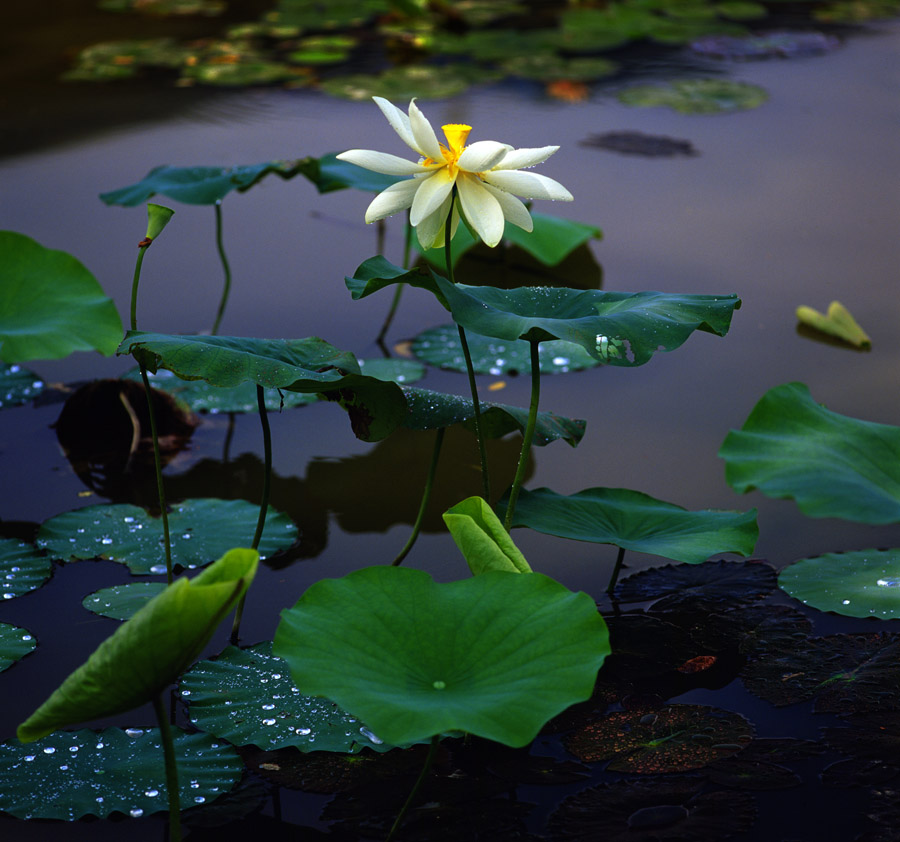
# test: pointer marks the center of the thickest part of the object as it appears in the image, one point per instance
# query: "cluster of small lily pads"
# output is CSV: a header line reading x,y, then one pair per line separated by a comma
x,y
384,656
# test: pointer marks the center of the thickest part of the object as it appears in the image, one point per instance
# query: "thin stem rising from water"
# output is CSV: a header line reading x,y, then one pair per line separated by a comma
x,y
225,266
168,745
426,496
528,436
426,768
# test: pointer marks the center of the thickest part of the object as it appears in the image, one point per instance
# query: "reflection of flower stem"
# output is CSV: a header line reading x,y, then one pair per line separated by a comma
x,y
473,388
407,247
221,247
616,570
263,504
426,496
165,733
426,768
528,435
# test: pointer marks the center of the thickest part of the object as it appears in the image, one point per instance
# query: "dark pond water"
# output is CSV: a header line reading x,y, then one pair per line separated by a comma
x,y
796,202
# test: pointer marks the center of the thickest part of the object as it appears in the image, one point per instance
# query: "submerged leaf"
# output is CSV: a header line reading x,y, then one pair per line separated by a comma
x,y
836,322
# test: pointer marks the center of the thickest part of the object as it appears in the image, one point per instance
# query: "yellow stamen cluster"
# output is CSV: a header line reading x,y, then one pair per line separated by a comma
x,y
456,134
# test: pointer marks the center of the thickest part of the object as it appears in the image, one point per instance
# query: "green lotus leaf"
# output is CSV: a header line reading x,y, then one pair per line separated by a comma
x,y
481,538
323,49
148,652
15,644
636,521
865,583
548,67
250,69
494,655
308,365
423,81
246,696
72,774
393,370
164,7
493,44
200,530
430,410
441,346
836,322
18,386
22,568
122,602
617,328
50,304
696,96
329,174
123,59
831,464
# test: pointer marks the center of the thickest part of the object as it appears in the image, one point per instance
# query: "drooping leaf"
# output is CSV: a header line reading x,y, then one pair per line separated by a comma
x,y
201,530
836,322
22,568
50,304
72,774
831,464
865,583
614,327
636,521
329,174
495,655
481,538
246,696
148,652
122,602
18,385
696,96
308,365
15,644
430,410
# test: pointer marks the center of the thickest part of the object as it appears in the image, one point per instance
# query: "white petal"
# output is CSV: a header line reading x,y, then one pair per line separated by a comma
x,y
528,184
430,230
381,162
398,120
426,142
396,198
431,193
513,210
517,159
481,209
482,155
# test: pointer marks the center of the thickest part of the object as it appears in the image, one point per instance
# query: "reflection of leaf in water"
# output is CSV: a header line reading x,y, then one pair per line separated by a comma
x,y
638,143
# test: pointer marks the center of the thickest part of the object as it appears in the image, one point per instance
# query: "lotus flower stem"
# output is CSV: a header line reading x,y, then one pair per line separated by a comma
x,y
407,248
527,437
165,732
426,768
426,496
221,247
616,570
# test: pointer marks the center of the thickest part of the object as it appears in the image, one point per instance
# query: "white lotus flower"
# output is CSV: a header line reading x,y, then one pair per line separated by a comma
x,y
486,174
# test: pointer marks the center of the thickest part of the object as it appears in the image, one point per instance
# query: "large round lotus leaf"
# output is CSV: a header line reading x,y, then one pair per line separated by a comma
x,y
636,521
440,346
758,767
71,774
493,44
496,655
200,531
616,328
868,736
15,644
832,465
711,586
430,410
246,696
845,673
751,628
858,584
393,370
308,365
22,569
18,385
697,96
200,396
675,738
121,602
544,67
50,304
415,80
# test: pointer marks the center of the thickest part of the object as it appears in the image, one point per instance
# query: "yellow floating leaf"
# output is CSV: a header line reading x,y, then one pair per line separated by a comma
x,y
836,322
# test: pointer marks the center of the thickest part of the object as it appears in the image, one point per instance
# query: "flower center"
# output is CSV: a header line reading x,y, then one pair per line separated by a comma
x,y
456,134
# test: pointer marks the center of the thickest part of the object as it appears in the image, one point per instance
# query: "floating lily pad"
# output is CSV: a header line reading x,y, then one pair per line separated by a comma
x,y
844,774
393,370
638,143
417,80
846,673
18,385
440,346
865,583
741,10
430,410
495,44
548,66
72,774
201,396
831,464
246,696
15,644
335,14
676,738
867,736
636,521
836,322
123,59
323,49
50,304
747,772
298,365
201,530
783,44
164,8
246,70
120,602
22,568
696,96
752,629
857,11
496,655
709,586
